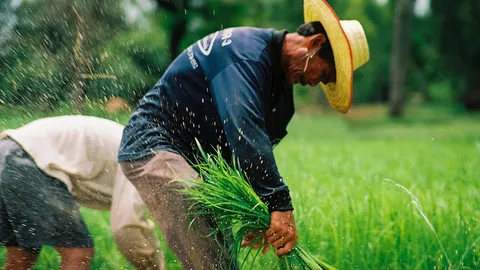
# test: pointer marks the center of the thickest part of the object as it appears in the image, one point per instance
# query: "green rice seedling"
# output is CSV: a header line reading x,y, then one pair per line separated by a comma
x,y
226,197
417,205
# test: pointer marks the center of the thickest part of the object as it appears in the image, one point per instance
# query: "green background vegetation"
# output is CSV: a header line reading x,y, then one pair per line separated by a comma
x,y
334,164
345,211
38,37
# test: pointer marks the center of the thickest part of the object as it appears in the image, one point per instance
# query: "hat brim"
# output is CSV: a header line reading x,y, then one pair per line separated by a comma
x,y
339,93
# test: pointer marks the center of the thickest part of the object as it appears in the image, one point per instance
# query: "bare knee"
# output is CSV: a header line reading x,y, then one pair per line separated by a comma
x,y
21,259
76,258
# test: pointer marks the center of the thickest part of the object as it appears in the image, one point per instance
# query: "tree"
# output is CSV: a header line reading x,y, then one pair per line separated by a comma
x,y
38,66
402,27
179,26
79,66
458,42
8,20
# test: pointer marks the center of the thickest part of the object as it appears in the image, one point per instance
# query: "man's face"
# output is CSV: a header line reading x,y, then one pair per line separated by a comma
x,y
307,66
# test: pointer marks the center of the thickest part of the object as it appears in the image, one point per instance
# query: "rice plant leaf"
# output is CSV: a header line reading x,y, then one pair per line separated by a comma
x,y
226,196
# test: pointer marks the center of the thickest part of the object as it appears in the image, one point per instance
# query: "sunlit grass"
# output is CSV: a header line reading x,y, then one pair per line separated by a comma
x,y
344,209
336,175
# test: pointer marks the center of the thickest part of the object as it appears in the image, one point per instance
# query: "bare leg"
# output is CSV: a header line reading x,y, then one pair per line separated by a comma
x,y
76,258
21,259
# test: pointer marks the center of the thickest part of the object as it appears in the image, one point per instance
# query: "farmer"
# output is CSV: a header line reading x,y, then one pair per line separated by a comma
x,y
50,166
233,89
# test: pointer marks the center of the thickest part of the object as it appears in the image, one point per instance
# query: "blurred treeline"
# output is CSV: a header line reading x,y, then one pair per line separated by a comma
x,y
53,51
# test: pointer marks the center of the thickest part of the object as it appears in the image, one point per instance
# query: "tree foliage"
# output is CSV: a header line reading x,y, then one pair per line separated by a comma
x,y
38,36
458,44
37,63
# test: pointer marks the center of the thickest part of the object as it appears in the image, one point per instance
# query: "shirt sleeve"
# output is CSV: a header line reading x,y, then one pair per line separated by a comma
x,y
237,94
133,231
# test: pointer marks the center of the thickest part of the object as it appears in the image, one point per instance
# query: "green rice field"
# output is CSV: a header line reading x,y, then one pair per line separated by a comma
x,y
348,211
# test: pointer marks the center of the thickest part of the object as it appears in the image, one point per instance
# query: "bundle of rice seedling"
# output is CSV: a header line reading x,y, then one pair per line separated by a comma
x,y
225,196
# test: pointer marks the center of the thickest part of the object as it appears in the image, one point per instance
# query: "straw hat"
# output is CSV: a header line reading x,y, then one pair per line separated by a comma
x,y
350,50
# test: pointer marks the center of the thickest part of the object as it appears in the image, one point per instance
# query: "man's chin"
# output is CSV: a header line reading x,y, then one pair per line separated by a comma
x,y
301,83
298,81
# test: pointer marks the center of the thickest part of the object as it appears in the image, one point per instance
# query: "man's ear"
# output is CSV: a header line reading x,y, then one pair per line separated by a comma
x,y
314,42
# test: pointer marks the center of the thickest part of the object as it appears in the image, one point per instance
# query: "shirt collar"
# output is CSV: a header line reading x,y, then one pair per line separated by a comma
x,y
276,54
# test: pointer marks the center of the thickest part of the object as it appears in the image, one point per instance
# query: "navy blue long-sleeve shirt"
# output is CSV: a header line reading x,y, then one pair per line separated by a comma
x,y
227,90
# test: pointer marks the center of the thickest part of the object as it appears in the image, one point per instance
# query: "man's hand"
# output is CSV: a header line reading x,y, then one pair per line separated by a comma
x,y
282,233
256,240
